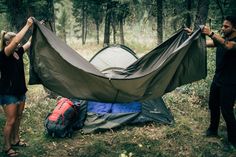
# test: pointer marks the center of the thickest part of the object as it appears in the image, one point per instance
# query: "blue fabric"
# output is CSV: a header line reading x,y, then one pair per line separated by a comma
x,y
126,107
102,108
99,107
11,99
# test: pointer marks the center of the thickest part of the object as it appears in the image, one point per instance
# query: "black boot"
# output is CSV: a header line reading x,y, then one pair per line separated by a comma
x,y
211,133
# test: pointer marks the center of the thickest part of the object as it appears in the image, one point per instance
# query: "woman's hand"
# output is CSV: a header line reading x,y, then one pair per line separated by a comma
x,y
30,21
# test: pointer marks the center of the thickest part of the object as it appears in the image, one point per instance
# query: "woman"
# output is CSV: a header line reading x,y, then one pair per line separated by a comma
x,y
12,85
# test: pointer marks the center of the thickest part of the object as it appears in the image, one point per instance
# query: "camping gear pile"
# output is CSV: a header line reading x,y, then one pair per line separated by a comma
x,y
100,116
115,78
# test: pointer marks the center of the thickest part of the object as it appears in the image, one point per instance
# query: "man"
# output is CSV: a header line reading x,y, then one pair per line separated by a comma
x,y
223,87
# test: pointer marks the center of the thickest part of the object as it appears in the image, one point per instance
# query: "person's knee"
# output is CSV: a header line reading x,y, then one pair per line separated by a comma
x,y
214,107
10,121
227,112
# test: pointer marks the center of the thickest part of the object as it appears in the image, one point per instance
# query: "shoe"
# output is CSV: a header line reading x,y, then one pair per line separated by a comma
x,y
19,144
210,133
230,147
10,152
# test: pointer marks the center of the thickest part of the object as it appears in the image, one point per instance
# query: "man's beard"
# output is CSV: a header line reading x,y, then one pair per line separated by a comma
x,y
228,34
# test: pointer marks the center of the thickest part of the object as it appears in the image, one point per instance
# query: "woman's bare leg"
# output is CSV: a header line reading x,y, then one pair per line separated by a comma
x,y
15,137
11,113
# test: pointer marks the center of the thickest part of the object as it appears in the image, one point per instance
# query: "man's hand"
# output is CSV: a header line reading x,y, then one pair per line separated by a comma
x,y
206,30
42,22
188,30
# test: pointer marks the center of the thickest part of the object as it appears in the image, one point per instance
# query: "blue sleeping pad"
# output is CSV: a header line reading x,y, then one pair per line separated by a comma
x,y
102,108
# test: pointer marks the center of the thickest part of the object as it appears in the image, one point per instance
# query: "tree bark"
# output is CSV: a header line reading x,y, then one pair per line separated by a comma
x,y
83,22
188,18
159,4
114,33
221,9
107,25
122,39
51,15
97,28
202,13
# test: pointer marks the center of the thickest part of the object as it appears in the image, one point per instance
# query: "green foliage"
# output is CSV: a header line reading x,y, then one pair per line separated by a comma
x,y
4,24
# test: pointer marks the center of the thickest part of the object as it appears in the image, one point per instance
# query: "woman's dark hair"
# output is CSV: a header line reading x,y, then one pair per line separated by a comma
x,y
231,19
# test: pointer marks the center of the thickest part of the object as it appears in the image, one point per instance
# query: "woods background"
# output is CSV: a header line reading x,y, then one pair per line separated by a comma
x,y
89,25
111,21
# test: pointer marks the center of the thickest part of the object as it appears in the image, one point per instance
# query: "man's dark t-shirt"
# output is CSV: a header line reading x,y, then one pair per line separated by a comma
x,y
12,76
225,73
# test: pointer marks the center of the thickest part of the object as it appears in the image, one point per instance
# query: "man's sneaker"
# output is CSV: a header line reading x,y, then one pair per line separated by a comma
x,y
210,133
230,147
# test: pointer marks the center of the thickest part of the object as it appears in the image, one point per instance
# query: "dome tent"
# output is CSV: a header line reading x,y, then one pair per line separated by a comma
x,y
103,116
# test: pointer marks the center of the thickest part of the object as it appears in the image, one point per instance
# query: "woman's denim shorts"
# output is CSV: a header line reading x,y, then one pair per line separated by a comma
x,y
11,99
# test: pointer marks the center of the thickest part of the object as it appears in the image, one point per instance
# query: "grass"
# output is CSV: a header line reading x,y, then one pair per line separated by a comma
x,y
182,139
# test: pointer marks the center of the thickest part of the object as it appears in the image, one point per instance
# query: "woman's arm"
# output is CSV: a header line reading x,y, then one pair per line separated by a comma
x,y
9,49
26,46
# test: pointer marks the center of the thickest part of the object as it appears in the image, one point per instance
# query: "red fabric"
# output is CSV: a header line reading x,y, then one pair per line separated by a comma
x,y
62,105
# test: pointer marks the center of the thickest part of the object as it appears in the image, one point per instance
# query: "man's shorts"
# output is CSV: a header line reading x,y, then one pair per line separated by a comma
x,y
12,99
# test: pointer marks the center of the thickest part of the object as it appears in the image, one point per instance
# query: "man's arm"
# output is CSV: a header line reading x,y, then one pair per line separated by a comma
x,y
217,38
209,42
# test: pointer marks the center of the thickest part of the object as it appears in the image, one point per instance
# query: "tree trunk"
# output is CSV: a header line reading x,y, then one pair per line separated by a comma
x,y
51,15
16,18
202,13
97,28
221,9
107,25
83,23
114,32
64,34
159,4
122,39
188,18
86,26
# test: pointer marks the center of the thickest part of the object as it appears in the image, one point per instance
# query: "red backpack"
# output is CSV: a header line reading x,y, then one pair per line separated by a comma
x,y
60,122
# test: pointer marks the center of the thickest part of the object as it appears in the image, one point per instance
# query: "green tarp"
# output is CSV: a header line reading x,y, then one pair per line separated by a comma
x,y
177,61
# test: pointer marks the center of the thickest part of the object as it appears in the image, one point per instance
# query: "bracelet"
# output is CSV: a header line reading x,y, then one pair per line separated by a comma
x,y
226,41
211,35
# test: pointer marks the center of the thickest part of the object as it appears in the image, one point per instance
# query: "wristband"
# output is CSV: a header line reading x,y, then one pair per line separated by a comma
x,y
211,35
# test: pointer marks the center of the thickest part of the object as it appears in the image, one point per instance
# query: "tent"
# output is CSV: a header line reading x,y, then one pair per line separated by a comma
x,y
102,116
177,61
